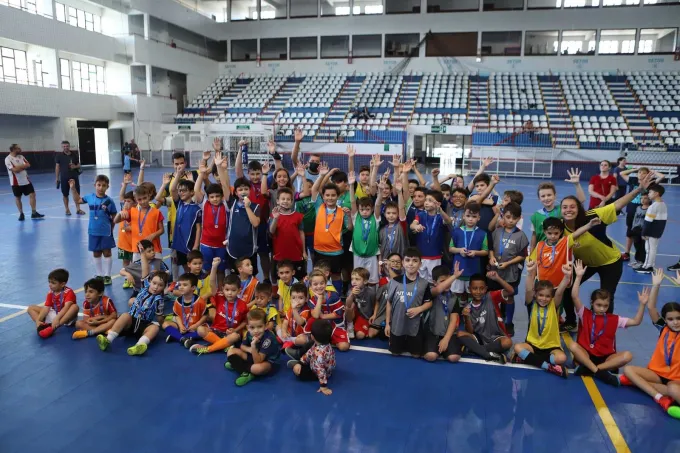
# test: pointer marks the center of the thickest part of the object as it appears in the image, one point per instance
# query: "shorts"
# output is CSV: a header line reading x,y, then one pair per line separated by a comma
x,y
53,314
360,323
99,243
598,360
335,261
213,252
460,286
219,333
309,243
399,344
124,255
543,354
630,217
664,380
347,256
426,267
65,189
431,344
136,329
26,190
263,238
370,263
339,336
181,259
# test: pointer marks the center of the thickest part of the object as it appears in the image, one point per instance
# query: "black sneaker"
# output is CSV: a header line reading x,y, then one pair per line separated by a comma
x,y
582,371
186,342
22,217
291,363
675,267
498,358
510,328
293,352
644,270
169,339
37,215
607,378
568,327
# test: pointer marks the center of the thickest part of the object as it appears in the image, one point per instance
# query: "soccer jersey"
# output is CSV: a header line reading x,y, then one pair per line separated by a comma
x,y
601,186
443,307
539,216
470,239
332,304
393,239
102,211
506,246
272,314
550,258
144,223
287,242
295,328
365,238
597,333
402,294
665,359
485,323
190,311
19,178
56,301
247,290
242,235
103,307
430,241
594,247
228,315
147,307
261,200
283,291
215,221
186,217
307,208
544,330
328,229
124,234
365,301
268,345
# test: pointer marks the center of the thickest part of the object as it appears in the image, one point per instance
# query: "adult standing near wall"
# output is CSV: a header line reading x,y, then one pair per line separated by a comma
x,y
18,177
67,167
134,150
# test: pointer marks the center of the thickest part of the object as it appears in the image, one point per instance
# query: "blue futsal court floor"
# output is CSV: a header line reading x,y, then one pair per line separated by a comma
x,y
60,395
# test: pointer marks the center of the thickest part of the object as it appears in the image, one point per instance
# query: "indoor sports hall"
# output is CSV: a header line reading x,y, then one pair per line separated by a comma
x,y
525,91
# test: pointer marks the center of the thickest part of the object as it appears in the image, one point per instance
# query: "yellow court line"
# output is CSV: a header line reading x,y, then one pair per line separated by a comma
x,y
76,291
615,436
623,247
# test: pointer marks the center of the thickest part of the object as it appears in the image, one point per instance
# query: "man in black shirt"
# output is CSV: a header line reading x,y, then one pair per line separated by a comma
x,y
67,167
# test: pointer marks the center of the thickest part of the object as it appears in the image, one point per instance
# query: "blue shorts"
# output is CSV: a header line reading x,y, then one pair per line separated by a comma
x,y
213,252
99,243
263,238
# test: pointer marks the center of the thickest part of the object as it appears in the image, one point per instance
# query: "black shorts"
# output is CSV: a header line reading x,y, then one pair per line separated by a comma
x,y
664,380
400,344
543,354
347,256
335,261
136,329
630,216
26,190
65,189
180,258
431,344
598,360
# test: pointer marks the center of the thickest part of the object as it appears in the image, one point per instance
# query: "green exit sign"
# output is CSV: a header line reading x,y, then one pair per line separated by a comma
x,y
184,128
438,129
242,127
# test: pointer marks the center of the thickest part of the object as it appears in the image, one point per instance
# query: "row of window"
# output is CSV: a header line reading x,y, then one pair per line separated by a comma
x,y
262,9
463,44
26,5
77,76
78,18
13,66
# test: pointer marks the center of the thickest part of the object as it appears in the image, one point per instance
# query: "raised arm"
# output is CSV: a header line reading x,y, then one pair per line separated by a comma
x,y
620,203
76,196
444,286
574,177
436,185
643,299
239,159
296,147
198,185
530,282
579,232
160,196
316,187
482,168
559,293
213,276
351,152
495,179
399,185
351,179
580,270
657,278
140,176
221,163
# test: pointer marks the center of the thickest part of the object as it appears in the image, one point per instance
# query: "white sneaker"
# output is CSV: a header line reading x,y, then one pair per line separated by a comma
x,y
637,265
350,330
632,263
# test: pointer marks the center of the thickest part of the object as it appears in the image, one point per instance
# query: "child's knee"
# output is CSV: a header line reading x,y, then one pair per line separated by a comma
x,y
343,347
559,357
297,369
506,343
202,331
517,348
431,356
627,356
360,335
260,369
453,358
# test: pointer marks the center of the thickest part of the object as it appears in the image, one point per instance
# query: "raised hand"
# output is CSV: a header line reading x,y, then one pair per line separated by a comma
x,y
266,167
276,212
271,147
351,178
579,268
203,167
487,161
495,179
595,221
643,296
142,164
300,169
574,175
657,276
351,151
323,169
217,146
298,135
407,167
398,185
567,269
457,271
530,265
127,179
396,160
216,261
167,177
219,159
435,173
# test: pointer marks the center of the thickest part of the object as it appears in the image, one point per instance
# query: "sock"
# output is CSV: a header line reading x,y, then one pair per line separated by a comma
x,y
552,359
98,265
111,336
173,332
531,359
144,340
89,333
473,346
220,345
108,263
238,363
509,312
212,338
658,397
192,335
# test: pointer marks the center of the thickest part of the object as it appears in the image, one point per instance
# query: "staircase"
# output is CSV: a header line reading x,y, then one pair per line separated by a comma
x,y
635,115
405,103
560,124
478,101
278,102
227,99
340,108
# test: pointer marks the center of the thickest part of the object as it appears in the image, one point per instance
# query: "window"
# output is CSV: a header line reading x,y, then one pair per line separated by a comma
x,y
244,50
366,46
304,8
658,40
402,45
244,10
13,66
273,49
342,11
462,44
541,42
367,7
334,46
65,74
442,6
543,4
339,8
273,10
617,42
620,2
577,42
578,3
503,5
303,48
501,43
628,46
28,6
78,18
85,77
660,2
402,6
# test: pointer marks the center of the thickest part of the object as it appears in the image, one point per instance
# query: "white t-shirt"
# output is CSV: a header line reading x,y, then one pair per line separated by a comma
x,y
20,178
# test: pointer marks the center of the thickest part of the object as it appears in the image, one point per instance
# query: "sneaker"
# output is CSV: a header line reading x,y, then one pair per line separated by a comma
x,y
636,265
291,363
126,284
558,370
608,378
46,332
198,349
674,411
103,342
137,349
228,365
22,217
568,327
186,342
644,270
108,280
79,334
623,380
293,353
498,358
36,215
582,371
169,339
243,379
625,256
350,330
510,329
665,402
675,267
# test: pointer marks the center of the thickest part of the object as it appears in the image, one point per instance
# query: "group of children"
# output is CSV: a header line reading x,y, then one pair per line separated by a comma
x,y
433,269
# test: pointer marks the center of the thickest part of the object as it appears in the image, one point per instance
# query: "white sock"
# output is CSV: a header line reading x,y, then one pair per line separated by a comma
x,y
111,336
98,265
144,340
658,397
108,263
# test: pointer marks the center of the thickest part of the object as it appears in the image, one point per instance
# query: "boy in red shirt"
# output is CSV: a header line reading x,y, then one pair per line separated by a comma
x,y
292,329
326,304
287,233
60,307
99,313
602,187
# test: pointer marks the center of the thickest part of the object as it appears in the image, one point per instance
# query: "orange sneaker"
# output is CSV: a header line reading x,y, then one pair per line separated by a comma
x,y
665,402
79,334
623,380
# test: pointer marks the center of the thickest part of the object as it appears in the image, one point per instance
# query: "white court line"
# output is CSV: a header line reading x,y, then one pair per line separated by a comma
x,y
22,309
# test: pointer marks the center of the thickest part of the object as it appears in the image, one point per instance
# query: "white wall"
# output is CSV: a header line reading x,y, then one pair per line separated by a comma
x,y
114,23
196,83
32,133
163,56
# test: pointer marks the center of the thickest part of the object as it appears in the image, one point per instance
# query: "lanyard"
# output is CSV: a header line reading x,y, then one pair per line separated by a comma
x,y
552,255
230,321
541,324
96,207
187,317
391,236
244,286
365,228
101,307
546,212
408,301
469,241
142,221
594,337
504,241
216,213
445,302
668,353
328,224
60,305
430,229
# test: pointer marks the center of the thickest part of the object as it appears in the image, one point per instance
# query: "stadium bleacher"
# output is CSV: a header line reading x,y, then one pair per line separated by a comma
x,y
637,110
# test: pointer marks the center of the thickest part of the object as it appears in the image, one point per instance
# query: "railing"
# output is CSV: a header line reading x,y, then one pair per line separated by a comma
x,y
205,54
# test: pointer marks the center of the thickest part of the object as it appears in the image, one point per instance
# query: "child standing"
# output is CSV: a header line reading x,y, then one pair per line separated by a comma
x,y
365,239
595,347
257,353
440,334
242,236
408,298
542,347
186,232
145,314
99,313
634,232
125,252
100,227
319,361
288,235
325,304
468,245
146,222
361,302
60,307
189,312
655,223
429,227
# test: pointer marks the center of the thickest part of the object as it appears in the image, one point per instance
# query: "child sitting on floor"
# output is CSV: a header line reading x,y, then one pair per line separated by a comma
x,y
319,361
60,307
361,302
99,313
189,313
292,329
325,304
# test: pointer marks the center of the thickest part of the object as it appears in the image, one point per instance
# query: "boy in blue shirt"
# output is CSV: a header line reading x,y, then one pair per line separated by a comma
x,y
468,245
244,219
430,226
126,162
186,234
100,228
